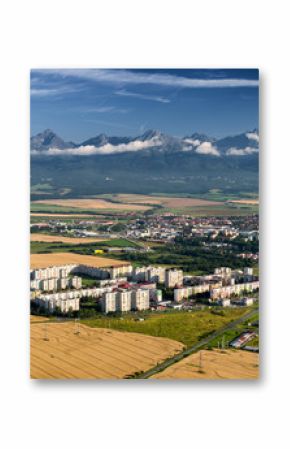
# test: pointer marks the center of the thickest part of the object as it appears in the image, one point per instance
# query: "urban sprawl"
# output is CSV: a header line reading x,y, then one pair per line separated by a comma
x,y
57,287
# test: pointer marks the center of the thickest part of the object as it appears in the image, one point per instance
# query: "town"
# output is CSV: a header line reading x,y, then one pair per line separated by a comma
x,y
57,286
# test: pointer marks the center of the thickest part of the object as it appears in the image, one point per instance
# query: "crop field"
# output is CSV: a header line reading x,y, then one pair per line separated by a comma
x,y
64,215
245,201
111,204
186,327
58,238
38,319
81,246
190,206
165,201
54,259
89,204
58,351
215,364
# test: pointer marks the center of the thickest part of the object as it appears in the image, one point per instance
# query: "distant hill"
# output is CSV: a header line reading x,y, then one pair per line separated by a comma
x,y
152,162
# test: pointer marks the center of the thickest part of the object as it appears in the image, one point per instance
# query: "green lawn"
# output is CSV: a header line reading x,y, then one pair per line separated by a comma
x,y
186,327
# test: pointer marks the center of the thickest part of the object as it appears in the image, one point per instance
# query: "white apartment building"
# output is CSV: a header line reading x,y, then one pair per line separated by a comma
x,y
105,272
248,271
173,277
151,274
62,300
53,284
108,302
223,271
186,292
52,272
156,274
140,299
226,292
123,300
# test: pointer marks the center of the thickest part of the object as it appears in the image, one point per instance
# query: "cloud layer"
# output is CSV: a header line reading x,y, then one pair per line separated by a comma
x,y
207,148
253,136
120,76
125,93
88,150
241,151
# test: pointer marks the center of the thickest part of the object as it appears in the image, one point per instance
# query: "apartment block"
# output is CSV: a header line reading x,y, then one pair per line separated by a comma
x,y
140,299
173,278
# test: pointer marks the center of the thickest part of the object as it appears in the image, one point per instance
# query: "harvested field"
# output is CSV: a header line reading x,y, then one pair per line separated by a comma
x,y
165,201
250,202
54,259
59,238
38,319
93,353
39,214
215,364
92,203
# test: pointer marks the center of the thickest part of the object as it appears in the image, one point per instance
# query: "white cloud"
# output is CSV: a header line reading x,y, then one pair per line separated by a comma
x,y
120,76
194,142
125,93
207,148
241,151
88,150
51,91
253,136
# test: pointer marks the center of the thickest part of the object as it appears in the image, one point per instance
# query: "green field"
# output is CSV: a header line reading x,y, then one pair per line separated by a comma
x,y
86,248
233,333
55,209
211,211
186,327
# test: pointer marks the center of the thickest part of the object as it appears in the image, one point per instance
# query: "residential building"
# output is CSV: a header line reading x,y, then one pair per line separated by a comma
x,y
173,278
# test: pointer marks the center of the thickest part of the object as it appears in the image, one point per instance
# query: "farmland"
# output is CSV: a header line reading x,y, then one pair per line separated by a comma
x,y
165,201
80,246
58,351
214,365
112,204
186,327
62,215
89,204
48,260
59,238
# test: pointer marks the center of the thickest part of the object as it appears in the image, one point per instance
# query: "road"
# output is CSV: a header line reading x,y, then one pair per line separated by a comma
x,y
176,358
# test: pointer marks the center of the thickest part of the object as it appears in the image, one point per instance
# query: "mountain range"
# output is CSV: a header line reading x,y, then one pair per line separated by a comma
x,y
49,143
151,162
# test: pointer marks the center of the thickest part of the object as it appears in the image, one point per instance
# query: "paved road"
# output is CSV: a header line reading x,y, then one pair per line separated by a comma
x,y
194,348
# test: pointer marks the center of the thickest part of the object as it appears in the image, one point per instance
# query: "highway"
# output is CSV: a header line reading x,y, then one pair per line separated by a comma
x,y
181,355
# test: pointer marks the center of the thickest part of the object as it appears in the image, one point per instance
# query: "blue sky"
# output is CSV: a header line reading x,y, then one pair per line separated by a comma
x,y
81,103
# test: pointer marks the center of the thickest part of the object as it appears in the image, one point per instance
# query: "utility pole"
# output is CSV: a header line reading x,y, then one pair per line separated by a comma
x,y
77,327
45,338
200,361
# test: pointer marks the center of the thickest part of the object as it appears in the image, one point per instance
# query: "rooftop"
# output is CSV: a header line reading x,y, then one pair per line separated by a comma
x,y
59,259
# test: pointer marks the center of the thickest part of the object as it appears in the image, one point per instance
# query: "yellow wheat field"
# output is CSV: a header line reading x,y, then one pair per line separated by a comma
x,y
58,259
92,203
93,353
215,364
250,202
59,238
